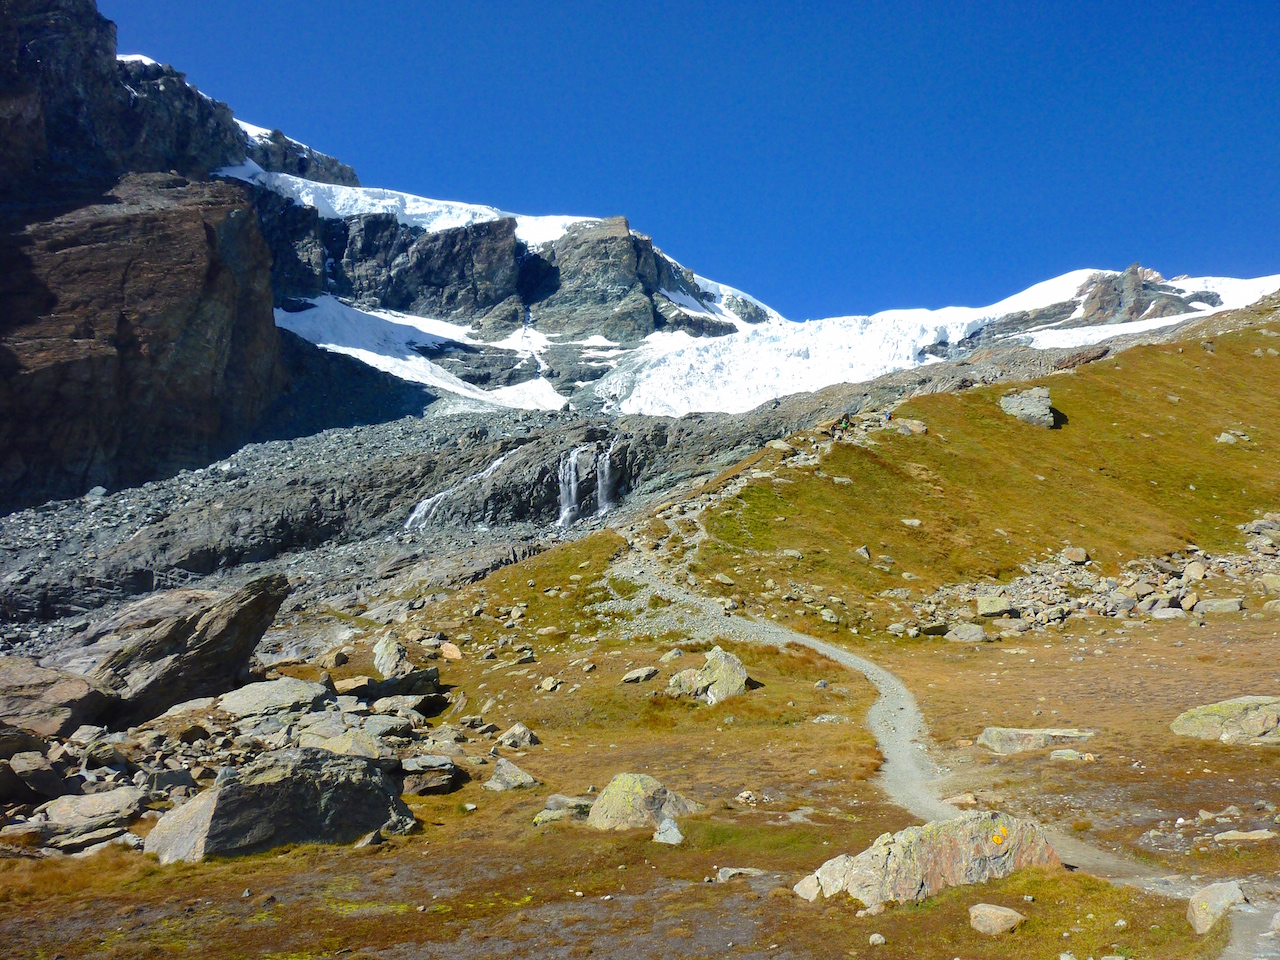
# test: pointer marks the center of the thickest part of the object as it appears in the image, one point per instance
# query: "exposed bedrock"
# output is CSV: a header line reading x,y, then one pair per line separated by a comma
x,y
138,337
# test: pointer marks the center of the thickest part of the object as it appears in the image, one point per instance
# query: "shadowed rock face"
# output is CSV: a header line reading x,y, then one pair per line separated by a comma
x,y
139,337
288,796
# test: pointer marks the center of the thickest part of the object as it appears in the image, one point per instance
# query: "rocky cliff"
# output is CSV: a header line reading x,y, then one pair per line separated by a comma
x,y
70,111
138,337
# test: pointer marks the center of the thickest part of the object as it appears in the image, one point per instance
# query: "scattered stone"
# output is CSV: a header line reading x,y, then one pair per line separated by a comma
x,y
725,874
640,675
1209,905
830,718
549,685
451,651
284,796
674,654
1075,555
668,833
723,580
992,607
1253,720
877,940
1230,605
1030,406
429,774
918,862
518,737
635,800
967,633
1244,836
507,776
1007,740
1072,756
992,920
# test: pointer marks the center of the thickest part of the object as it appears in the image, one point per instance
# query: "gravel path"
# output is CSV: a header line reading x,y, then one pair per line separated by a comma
x,y
908,776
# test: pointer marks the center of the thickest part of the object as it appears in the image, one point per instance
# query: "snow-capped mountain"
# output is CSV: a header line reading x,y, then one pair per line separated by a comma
x,y
551,310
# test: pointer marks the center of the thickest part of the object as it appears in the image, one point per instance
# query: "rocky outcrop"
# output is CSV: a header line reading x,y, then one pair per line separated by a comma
x,y
139,338
919,862
75,112
1138,293
70,112
176,646
277,153
47,702
636,800
1253,720
285,796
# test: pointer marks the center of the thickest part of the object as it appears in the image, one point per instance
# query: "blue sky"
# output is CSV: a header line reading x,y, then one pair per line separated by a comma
x,y
828,158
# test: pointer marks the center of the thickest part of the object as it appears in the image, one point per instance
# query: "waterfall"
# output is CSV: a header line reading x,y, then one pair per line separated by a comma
x,y
607,479
426,509
569,486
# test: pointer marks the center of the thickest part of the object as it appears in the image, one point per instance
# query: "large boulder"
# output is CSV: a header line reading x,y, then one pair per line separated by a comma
x,y
286,796
45,701
1006,740
1210,904
1253,720
178,646
635,800
919,862
721,677
1030,406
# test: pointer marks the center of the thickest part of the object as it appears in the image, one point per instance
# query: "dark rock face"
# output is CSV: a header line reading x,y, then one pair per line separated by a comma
x,y
177,646
69,111
169,125
287,796
280,154
139,337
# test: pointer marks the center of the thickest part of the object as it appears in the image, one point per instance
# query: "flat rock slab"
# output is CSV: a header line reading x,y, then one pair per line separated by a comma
x,y
48,702
993,920
97,811
1253,720
286,796
919,862
1007,740
272,696
635,800
639,675
1211,904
